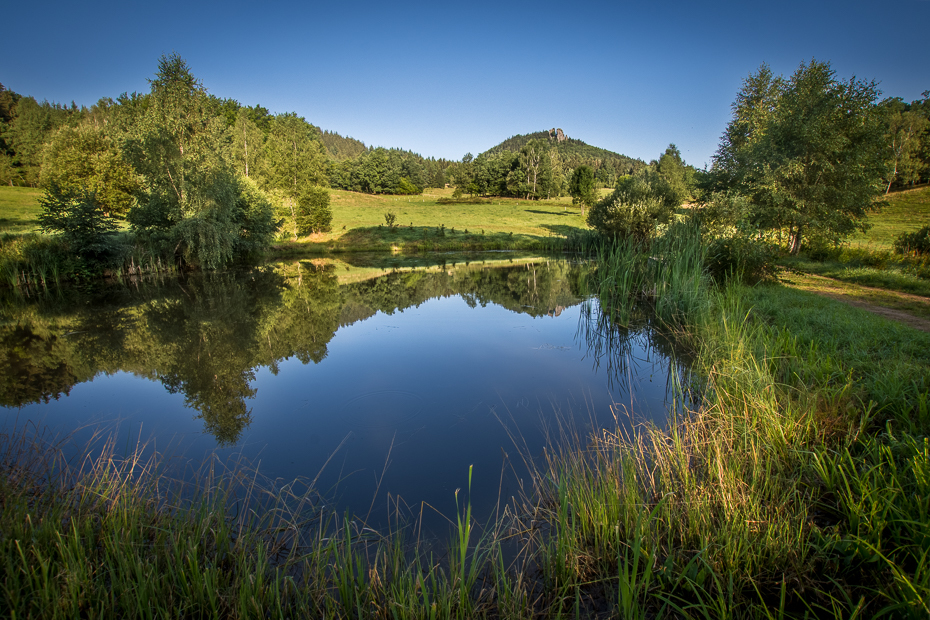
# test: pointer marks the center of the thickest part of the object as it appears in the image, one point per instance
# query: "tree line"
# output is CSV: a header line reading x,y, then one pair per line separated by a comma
x,y
43,142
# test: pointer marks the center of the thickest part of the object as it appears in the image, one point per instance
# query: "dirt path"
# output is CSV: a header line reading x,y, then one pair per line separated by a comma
x,y
912,310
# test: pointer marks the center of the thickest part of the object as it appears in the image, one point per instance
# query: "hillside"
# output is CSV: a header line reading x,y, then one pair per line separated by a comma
x,y
341,147
573,152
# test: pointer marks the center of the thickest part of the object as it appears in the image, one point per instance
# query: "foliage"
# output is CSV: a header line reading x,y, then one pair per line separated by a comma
x,y
80,219
581,187
192,205
907,131
917,243
386,171
390,219
294,156
741,258
806,152
679,175
636,208
85,156
314,214
256,220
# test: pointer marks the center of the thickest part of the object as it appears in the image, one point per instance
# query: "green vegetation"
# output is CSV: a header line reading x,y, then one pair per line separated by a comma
x,y
19,209
807,154
637,207
581,187
800,460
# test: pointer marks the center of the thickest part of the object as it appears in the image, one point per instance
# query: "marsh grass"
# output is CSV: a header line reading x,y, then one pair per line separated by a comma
x,y
796,488
115,536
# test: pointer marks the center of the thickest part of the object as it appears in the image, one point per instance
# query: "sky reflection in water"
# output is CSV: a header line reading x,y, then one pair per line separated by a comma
x,y
396,381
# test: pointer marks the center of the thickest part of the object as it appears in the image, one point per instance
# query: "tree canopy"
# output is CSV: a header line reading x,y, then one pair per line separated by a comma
x,y
808,153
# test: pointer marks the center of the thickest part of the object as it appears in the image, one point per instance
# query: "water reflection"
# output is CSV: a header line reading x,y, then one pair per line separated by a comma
x,y
204,337
380,381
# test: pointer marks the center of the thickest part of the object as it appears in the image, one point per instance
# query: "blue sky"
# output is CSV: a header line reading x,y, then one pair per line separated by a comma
x,y
443,78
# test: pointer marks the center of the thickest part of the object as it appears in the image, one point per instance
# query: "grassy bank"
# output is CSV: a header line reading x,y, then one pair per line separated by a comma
x,y
799,486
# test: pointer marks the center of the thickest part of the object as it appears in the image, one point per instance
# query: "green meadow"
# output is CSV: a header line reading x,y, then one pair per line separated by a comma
x,y
19,209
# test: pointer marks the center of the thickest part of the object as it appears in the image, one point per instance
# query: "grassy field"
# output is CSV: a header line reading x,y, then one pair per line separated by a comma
x,y
907,211
19,209
425,224
422,222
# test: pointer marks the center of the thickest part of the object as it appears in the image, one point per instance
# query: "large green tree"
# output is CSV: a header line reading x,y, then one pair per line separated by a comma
x,y
85,156
808,152
192,200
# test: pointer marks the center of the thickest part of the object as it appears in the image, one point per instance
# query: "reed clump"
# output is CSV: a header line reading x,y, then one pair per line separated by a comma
x,y
796,488
118,537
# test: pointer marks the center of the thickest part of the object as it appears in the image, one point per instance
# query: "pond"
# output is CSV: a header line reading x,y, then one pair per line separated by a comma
x,y
382,379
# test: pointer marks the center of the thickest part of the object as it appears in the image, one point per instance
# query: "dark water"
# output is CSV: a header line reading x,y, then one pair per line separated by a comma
x,y
384,382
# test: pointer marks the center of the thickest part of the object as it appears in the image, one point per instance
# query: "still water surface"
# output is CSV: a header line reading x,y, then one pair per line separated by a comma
x,y
383,380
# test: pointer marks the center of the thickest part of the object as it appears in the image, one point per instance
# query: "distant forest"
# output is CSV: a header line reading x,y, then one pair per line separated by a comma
x,y
607,165
537,166
47,142
43,143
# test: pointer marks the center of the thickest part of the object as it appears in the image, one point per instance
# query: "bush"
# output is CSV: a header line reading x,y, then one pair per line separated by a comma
x,y
313,211
82,222
635,209
916,243
744,259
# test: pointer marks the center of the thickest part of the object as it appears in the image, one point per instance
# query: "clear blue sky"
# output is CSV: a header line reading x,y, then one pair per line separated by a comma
x,y
443,78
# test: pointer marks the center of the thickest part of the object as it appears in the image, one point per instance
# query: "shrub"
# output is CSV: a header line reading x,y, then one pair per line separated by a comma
x,y
638,205
744,259
82,222
916,243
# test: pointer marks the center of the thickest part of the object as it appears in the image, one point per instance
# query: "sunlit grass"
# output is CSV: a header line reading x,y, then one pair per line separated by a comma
x,y
907,211
19,209
424,224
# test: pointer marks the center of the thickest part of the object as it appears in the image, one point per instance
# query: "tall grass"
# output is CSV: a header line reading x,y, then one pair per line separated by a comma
x,y
118,537
784,494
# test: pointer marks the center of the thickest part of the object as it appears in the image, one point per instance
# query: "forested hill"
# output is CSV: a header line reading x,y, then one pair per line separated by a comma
x,y
573,152
341,148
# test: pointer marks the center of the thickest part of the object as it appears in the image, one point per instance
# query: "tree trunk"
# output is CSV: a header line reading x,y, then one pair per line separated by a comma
x,y
795,237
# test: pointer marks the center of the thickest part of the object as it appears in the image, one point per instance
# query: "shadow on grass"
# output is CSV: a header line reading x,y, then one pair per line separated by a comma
x,y
562,230
539,212
420,239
